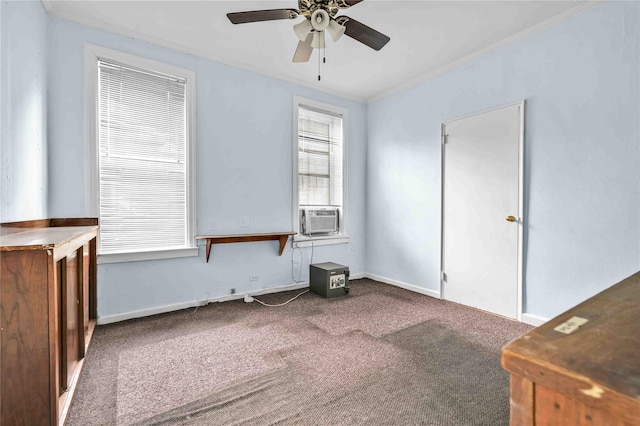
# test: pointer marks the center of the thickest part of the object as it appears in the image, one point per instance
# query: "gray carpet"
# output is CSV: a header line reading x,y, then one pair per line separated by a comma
x,y
379,356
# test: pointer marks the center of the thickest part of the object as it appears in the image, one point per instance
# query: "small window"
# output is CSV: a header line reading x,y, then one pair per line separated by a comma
x,y
144,149
320,166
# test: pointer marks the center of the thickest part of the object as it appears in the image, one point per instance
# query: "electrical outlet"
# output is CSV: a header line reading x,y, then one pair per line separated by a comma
x,y
253,278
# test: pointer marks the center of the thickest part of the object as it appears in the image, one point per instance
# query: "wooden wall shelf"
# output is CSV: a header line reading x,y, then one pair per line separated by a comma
x,y
282,237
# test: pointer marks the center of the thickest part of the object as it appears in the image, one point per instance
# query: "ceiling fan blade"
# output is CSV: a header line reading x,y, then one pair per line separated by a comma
x,y
345,4
303,52
261,15
365,35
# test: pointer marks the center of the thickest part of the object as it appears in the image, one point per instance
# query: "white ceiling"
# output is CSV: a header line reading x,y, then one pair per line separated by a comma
x,y
427,37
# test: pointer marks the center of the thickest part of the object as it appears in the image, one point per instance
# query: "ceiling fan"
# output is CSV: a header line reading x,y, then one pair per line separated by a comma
x,y
320,15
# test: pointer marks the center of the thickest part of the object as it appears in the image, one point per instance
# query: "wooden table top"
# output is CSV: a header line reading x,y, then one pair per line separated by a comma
x,y
42,238
603,351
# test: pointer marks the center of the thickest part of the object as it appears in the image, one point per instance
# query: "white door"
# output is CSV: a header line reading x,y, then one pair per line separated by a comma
x,y
482,209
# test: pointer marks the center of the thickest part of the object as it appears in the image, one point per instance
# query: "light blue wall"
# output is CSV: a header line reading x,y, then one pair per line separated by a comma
x,y
23,111
244,178
580,80
582,181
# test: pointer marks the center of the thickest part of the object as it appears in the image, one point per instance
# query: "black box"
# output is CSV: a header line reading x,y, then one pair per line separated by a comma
x,y
329,279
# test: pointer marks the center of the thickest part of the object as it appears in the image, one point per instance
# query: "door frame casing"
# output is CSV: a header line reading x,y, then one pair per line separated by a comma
x,y
520,221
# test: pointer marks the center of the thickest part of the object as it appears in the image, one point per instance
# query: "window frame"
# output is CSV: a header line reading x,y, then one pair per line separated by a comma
x,y
92,53
342,237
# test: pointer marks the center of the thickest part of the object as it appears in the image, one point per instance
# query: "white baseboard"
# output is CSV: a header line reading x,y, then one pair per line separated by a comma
x,y
530,319
534,320
108,319
404,285
289,287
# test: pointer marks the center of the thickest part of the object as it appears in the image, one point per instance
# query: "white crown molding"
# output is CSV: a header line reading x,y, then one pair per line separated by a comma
x,y
189,50
411,82
47,4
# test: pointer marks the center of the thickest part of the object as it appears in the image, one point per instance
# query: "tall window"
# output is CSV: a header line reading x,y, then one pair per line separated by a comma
x,y
320,211
144,158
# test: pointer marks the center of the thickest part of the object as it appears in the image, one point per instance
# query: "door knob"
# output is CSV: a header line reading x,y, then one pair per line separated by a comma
x,y
511,219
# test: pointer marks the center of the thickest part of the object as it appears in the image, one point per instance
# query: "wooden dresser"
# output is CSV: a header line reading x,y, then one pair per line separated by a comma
x,y
582,367
48,303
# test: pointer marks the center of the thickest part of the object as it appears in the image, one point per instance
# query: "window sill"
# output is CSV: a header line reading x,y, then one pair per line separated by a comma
x,y
319,241
147,255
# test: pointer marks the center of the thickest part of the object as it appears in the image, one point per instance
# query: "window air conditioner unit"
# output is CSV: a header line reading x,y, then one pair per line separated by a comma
x,y
320,221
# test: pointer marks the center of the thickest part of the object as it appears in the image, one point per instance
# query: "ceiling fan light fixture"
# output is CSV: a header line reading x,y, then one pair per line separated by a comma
x,y
335,30
302,29
320,19
318,40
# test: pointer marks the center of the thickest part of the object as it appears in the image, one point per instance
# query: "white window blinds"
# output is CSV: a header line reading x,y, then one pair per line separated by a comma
x,y
142,160
319,158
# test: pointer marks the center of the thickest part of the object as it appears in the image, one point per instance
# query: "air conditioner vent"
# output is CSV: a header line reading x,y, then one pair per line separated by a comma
x,y
319,221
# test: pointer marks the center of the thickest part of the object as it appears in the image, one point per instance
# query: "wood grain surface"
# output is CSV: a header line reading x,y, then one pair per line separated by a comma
x,y
594,366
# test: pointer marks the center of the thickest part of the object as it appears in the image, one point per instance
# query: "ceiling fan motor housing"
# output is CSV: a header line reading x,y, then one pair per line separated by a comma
x,y
307,7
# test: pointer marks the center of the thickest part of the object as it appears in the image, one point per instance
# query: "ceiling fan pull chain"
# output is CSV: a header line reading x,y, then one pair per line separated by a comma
x,y
324,59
